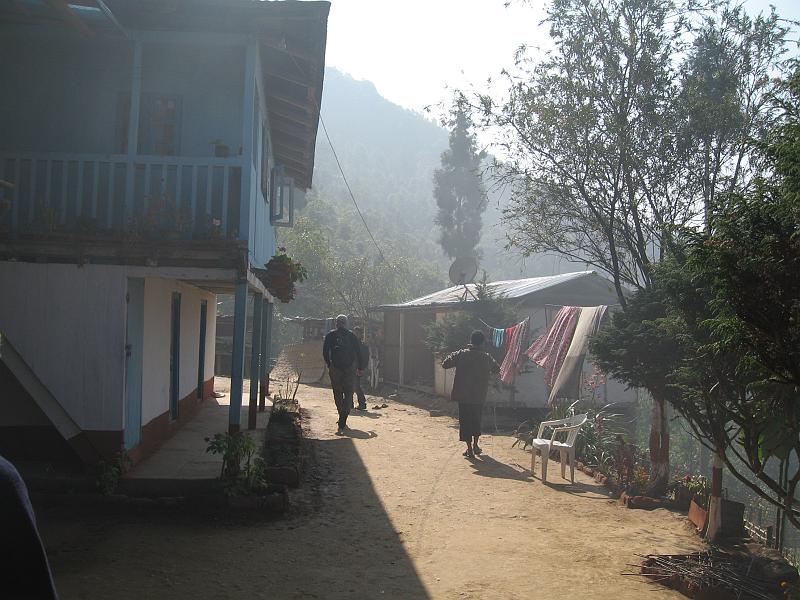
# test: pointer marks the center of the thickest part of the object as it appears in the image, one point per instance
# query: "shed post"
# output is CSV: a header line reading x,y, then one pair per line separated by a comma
x,y
237,356
402,357
255,361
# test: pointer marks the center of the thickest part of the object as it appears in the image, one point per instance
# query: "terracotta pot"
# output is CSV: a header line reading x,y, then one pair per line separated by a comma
x,y
698,515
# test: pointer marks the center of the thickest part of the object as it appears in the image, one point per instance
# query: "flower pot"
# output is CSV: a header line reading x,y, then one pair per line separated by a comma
x,y
683,498
221,150
698,515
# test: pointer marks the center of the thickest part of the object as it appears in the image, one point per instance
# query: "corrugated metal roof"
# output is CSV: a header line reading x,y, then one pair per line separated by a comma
x,y
514,288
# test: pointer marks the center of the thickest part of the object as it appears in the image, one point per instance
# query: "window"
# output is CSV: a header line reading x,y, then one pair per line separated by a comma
x,y
159,124
281,204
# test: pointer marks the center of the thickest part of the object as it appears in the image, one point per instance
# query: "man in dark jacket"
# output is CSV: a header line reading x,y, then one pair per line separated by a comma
x,y
470,385
364,350
341,351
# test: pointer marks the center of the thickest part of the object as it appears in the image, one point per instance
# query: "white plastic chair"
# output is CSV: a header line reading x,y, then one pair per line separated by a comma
x,y
571,426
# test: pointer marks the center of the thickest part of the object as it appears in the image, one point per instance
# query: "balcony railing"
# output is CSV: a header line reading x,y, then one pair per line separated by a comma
x,y
192,197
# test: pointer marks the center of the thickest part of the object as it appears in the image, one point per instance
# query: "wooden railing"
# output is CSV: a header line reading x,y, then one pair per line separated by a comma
x,y
198,196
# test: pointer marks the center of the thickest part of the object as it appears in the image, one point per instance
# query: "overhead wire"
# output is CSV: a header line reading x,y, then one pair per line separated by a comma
x,y
339,164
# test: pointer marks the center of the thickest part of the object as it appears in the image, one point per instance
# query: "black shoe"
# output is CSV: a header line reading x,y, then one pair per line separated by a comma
x,y
362,407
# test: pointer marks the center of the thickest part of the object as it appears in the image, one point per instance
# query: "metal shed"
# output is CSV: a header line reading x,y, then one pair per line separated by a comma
x,y
407,361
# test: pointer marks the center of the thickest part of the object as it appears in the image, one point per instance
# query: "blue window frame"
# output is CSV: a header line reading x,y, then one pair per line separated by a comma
x,y
281,204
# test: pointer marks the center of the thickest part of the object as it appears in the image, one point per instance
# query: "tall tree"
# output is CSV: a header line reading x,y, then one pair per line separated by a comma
x,y
719,333
602,139
459,190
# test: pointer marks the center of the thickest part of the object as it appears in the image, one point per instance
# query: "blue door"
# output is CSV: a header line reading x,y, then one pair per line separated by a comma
x,y
201,359
134,340
175,356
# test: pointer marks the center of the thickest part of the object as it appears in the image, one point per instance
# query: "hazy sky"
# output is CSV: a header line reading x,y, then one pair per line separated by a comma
x,y
412,50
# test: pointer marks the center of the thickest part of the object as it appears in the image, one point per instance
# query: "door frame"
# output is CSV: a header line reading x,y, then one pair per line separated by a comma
x,y
134,357
175,357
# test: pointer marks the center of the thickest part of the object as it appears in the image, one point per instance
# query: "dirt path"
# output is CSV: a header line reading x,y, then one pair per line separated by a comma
x,y
392,511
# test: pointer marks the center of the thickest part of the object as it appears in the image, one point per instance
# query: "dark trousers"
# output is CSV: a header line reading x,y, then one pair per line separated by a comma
x,y
362,399
342,384
469,421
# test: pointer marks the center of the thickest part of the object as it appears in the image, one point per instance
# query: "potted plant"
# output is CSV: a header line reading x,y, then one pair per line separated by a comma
x,y
700,489
221,149
679,492
282,272
164,219
242,473
211,229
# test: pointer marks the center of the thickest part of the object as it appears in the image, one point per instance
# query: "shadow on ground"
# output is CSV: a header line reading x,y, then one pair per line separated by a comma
x,y
338,542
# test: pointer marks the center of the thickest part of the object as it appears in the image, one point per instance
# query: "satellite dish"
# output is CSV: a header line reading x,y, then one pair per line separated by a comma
x,y
463,270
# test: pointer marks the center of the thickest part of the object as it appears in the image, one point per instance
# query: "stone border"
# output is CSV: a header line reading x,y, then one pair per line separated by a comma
x,y
283,446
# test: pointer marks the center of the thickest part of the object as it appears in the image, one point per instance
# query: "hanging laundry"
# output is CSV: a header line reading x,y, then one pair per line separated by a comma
x,y
549,350
498,337
508,333
514,357
568,381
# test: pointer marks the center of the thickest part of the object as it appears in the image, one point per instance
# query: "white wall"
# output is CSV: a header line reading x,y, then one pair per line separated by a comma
x,y
157,330
68,324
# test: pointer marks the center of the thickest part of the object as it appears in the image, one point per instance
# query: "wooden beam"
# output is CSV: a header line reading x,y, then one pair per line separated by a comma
x,y
299,151
291,129
279,114
289,77
69,17
293,102
281,45
288,160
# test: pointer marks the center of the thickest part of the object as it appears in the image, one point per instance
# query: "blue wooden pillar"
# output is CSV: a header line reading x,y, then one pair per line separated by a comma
x,y
266,346
255,361
237,359
133,132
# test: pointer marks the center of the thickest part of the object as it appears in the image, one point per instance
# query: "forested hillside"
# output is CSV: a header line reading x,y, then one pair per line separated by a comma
x,y
388,155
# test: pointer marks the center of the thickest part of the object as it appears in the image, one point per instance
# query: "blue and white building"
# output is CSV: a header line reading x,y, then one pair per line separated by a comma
x,y
148,151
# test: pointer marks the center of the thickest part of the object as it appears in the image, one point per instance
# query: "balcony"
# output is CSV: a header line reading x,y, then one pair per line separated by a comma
x,y
54,195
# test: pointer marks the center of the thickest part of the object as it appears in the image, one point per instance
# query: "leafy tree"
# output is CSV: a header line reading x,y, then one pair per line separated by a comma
x,y
609,142
453,331
719,333
341,280
459,191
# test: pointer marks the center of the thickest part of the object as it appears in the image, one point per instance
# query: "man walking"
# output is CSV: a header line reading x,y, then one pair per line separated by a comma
x,y
364,351
341,351
470,384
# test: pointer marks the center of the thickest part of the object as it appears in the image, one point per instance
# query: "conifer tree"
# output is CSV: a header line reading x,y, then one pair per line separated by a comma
x,y
459,191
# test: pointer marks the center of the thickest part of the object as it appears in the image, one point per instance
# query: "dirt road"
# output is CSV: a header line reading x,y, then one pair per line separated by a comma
x,y
392,511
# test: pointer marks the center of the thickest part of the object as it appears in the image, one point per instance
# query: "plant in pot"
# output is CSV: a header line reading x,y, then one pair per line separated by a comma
x,y
211,229
165,219
679,492
242,472
221,149
700,489
282,273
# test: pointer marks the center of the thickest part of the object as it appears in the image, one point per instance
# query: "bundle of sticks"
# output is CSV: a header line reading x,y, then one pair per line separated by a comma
x,y
707,571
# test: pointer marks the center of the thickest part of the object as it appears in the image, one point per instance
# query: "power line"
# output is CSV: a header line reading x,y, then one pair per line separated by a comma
x,y
352,196
339,164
